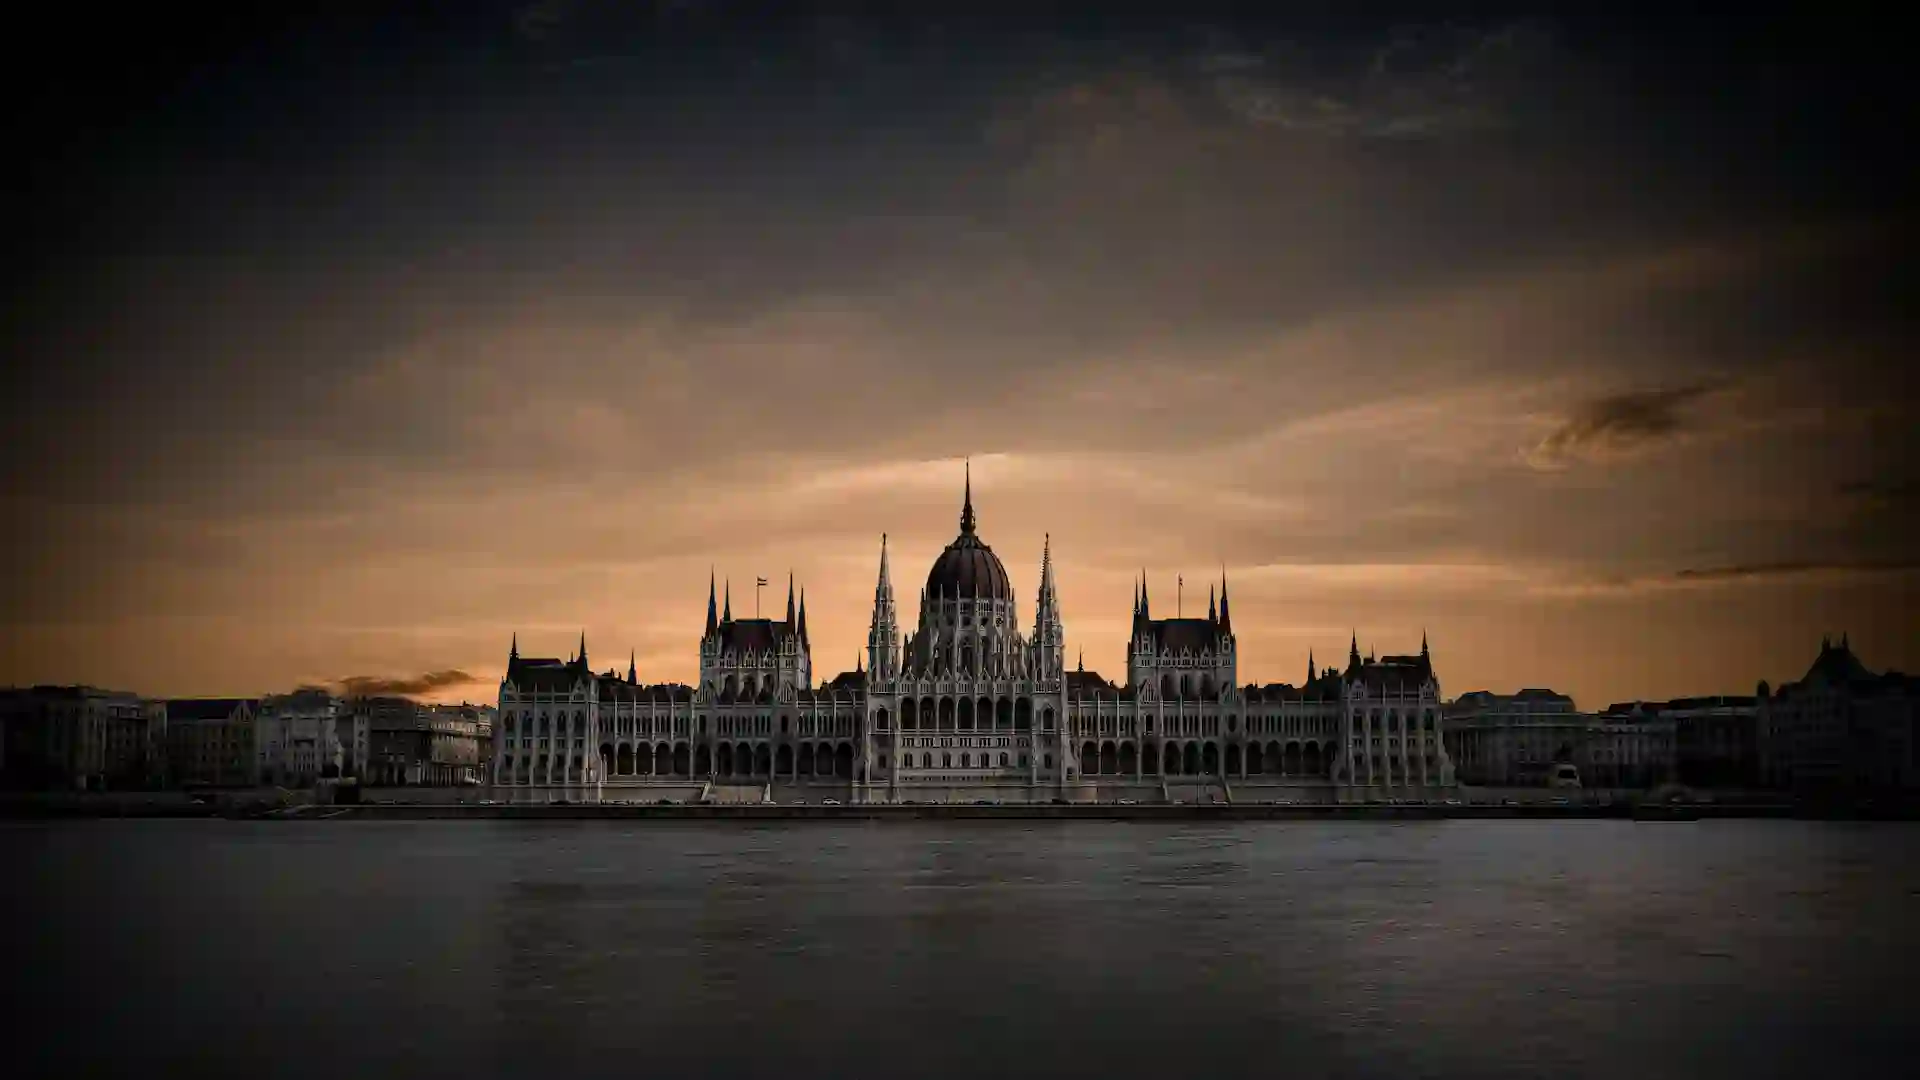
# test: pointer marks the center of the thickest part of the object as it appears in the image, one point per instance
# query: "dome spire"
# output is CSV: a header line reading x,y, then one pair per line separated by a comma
x,y
966,508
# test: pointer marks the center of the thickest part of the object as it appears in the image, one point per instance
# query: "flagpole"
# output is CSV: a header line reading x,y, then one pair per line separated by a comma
x,y
1180,597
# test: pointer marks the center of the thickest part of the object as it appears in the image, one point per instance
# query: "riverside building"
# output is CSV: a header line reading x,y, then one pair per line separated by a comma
x,y
966,705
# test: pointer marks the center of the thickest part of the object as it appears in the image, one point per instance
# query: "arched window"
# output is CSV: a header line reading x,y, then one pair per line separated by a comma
x,y
946,761
880,719
1166,686
1186,685
965,761
1003,761
907,717
1046,718
1046,762
966,659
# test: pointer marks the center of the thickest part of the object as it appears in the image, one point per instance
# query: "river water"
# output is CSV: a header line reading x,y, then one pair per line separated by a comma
x,y
567,949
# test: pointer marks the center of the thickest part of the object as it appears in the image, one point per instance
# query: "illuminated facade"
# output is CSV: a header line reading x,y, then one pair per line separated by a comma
x,y
966,707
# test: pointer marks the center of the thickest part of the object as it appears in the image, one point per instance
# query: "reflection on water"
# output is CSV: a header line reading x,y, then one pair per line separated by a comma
x,y
1472,949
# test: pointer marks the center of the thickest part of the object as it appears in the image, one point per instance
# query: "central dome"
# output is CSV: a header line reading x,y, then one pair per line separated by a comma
x,y
968,567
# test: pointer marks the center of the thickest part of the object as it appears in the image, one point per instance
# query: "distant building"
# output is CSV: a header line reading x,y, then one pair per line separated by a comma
x,y
1716,739
1524,740
210,742
1629,746
1514,740
414,744
1842,727
349,744
295,743
82,738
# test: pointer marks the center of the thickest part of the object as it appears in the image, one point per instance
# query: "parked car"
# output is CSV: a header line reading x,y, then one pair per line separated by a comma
x,y
1129,802
829,802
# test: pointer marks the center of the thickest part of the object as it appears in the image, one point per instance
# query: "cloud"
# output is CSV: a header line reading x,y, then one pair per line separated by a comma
x,y
423,684
1619,424
1883,495
537,21
1780,572
1423,82
1773,571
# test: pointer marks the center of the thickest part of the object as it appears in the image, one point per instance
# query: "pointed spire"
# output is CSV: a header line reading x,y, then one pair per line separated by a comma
x,y
1844,647
583,648
966,509
1082,665
1310,668
1353,651
1423,644
513,650
886,578
1146,607
1213,615
789,598
1226,620
803,617
713,618
726,615
633,671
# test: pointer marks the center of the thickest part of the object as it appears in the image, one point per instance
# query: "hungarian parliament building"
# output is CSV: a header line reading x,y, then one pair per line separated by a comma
x,y
967,708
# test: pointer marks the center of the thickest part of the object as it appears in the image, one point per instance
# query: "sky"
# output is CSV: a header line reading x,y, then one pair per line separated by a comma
x,y
350,345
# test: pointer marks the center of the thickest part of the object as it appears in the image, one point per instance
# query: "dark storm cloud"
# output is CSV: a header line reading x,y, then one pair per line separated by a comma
x,y
1620,424
1883,494
1775,571
423,684
1421,82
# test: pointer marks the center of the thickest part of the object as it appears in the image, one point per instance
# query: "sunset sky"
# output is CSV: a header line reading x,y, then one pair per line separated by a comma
x,y
347,347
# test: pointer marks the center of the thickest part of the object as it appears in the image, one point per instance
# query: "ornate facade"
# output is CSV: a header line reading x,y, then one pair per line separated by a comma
x,y
966,706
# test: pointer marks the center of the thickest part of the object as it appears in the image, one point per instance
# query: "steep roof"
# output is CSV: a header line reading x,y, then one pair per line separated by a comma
x,y
1089,684
1191,635
745,636
1392,672
1837,665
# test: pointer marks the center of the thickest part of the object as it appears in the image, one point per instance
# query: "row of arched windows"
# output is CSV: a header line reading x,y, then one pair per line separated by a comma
x,y
967,714
966,761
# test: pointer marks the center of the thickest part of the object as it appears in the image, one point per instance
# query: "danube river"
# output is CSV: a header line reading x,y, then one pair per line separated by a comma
x,y
1735,949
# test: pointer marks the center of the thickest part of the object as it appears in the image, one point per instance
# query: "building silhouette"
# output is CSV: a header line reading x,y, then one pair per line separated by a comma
x,y
967,704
